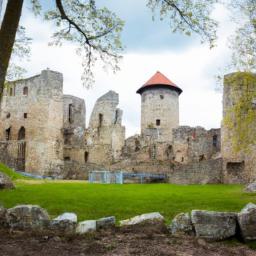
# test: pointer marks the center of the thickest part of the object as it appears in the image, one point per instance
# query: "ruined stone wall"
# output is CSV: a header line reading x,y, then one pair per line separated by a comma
x,y
195,144
205,172
163,105
238,162
105,135
36,104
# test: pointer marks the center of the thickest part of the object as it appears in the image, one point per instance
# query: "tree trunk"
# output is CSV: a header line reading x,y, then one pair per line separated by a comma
x,y
7,36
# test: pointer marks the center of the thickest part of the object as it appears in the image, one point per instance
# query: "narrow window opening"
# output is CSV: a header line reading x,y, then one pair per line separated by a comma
x,y
161,97
25,115
25,91
158,122
137,145
100,120
8,133
182,159
67,158
11,92
70,113
8,115
22,134
215,140
86,156
116,117
201,158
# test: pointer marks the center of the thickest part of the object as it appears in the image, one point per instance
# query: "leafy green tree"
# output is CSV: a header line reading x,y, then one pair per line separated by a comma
x,y
96,31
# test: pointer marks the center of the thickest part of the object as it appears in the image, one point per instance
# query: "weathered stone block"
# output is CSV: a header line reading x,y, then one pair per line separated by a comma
x,y
86,226
151,217
5,181
182,224
106,222
27,217
247,222
70,216
250,188
214,225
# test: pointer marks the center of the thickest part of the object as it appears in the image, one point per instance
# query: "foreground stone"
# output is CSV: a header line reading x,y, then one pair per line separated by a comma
x,y
251,188
106,222
27,217
182,224
64,223
5,182
86,226
247,222
153,217
214,226
70,216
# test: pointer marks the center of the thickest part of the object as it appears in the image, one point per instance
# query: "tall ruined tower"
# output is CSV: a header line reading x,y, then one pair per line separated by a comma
x,y
159,107
238,131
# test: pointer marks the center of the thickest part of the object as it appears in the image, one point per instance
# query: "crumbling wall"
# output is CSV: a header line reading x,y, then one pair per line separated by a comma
x,y
239,163
105,135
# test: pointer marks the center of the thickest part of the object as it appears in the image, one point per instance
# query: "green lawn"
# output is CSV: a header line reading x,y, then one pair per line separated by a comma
x,y
91,201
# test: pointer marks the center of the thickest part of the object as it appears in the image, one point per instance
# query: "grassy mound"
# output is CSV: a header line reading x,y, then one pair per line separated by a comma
x,y
9,172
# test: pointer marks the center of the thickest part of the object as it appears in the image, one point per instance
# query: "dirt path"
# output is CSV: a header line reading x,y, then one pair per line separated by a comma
x,y
126,241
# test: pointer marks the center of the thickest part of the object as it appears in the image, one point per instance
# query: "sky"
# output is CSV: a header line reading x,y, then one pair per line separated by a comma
x,y
149,47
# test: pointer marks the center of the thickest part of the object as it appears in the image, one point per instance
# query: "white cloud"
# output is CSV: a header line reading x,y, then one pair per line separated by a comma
x,y
193,70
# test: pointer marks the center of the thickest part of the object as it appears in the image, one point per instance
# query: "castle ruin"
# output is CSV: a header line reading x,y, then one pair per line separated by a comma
x,y
43,132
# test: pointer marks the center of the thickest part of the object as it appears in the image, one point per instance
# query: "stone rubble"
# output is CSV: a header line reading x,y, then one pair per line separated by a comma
x,y
86,226
182,224
214,225
5,182
250,188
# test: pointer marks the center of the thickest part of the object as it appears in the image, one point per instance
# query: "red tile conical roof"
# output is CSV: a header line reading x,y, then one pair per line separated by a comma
x,y
159,80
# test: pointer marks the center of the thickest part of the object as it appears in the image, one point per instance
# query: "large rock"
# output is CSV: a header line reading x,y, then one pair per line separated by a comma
x,y
247,222
64,224
182,224
147,217
27,217
86,226
5,181
106,222
251,188
214,225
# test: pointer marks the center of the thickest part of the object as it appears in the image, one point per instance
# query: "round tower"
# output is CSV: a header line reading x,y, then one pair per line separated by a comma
x,y
159,107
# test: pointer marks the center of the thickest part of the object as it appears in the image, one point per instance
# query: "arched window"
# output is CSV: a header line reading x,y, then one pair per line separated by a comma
x,y
86,156
215,140
25,91
70,113
8,133
100,120
22,133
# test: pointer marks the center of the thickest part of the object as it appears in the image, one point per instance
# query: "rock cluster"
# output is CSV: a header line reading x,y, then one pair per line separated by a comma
x,y
207,225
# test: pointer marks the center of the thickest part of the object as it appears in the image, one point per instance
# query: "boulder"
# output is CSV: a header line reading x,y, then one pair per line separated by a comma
x,y
64,224
3,220
250,188
70,216
5,181
27,217
182,224
106,222
86,226
214,225
247,222
147,217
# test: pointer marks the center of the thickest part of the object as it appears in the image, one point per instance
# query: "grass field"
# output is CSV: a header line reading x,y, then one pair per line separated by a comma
x,y
91,201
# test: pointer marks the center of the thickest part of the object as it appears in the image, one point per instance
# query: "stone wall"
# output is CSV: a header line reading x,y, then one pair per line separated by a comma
x,y
159,105
195,144
204,172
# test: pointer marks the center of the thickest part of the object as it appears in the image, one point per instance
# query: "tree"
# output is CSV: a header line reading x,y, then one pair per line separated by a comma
x,y
96,31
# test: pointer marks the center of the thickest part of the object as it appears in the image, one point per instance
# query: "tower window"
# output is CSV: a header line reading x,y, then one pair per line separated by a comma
x,y
11,92
8,115
215,140
100,120
25,115
8,133
25,91
161,97
158,122
70,113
